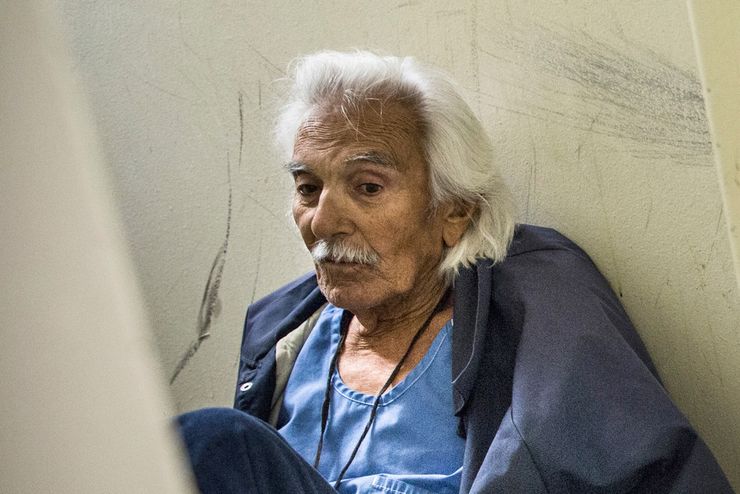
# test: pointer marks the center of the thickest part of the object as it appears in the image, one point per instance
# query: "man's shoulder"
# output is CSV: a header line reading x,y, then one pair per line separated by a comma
x,y
541,258
543,270
563,293
529,239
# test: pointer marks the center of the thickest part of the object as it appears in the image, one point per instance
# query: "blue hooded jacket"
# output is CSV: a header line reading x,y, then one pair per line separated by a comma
x,y
554,391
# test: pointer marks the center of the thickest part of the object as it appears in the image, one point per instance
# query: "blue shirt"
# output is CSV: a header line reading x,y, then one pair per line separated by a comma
x,y
412,446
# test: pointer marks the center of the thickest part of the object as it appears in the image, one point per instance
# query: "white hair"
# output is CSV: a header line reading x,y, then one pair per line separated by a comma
x,y
457,149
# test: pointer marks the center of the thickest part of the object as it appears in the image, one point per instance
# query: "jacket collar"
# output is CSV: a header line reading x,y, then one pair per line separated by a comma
x,y
274,316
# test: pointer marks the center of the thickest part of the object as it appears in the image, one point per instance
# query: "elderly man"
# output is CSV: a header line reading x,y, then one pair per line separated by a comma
x,y
436,348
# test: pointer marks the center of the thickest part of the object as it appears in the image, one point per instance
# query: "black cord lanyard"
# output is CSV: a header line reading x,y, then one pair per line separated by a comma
x,y
327,393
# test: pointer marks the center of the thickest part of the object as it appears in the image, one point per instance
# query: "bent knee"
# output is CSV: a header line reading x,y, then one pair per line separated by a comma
x,y
210,427
217,422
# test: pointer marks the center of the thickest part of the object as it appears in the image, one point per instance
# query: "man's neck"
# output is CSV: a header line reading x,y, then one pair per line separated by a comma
x,y
370,354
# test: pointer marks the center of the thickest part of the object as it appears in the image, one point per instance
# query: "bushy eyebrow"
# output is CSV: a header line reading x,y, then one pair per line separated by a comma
x,y
297,167
372,157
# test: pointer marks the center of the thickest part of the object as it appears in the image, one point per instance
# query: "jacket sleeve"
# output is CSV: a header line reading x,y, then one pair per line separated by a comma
x,y
587,412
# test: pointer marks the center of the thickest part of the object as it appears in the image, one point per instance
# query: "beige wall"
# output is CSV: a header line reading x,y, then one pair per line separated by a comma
x,y
717,42
595,108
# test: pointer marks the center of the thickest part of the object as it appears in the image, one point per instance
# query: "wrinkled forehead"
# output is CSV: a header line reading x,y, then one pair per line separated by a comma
x,y
386,126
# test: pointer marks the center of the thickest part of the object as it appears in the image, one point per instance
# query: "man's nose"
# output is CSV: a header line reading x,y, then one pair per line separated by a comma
x,y
331,216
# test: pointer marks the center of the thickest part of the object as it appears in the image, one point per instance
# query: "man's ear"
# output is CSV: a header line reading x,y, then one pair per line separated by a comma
x,y
456,218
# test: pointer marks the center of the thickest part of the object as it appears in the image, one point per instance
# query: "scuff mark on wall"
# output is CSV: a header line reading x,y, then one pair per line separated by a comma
x,y
241,127
474,58
400,6
210,305
163,90
268,63
257,269
530,201
625,92
648,216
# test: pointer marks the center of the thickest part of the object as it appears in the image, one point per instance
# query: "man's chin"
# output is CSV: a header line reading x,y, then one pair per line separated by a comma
x,y
344,292
342,297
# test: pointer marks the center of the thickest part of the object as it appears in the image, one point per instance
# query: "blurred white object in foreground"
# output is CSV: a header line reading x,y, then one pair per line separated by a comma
x,y
82,406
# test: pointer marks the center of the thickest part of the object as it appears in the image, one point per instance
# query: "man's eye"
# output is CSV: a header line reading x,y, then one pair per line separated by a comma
x,y
306,189
371,189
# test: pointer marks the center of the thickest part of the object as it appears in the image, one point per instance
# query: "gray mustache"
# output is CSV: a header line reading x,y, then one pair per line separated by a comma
x,y
338,251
